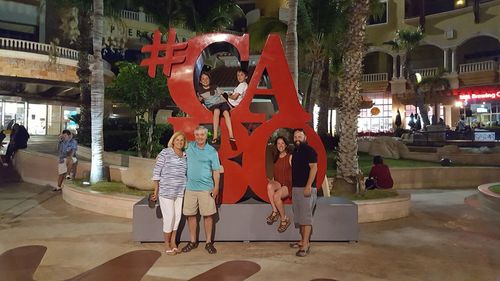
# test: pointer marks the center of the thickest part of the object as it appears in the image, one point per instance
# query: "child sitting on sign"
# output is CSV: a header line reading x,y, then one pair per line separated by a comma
x,y
211,96
239,92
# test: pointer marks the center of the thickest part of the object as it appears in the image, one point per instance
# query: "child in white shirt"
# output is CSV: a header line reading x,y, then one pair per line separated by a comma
x,y
239,92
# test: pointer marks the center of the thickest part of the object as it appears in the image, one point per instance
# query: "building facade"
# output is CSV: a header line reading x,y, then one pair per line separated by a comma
x,y
39,85
459,37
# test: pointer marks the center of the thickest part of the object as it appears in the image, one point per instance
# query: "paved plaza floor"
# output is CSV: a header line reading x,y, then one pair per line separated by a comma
x,y
443,239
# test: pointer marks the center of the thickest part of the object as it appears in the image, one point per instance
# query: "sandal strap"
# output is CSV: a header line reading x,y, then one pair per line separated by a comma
x,y
284,225
210,248
190,246
273,216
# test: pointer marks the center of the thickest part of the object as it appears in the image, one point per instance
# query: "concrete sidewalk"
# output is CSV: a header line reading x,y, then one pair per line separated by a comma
x,y
443,239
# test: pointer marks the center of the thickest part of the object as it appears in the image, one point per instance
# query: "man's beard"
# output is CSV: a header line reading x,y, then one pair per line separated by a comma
x,y
298,144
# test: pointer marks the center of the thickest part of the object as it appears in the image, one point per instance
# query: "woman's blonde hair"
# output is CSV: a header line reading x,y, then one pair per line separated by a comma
x,y
174,136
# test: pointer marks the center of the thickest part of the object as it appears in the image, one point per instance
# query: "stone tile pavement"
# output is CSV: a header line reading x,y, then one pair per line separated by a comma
x,y
443,239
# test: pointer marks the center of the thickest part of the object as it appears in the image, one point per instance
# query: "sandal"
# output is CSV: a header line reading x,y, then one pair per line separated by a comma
x,y
190,246
210,248
214,141
171,252
284,224
295,245
232,139
272,218
302,253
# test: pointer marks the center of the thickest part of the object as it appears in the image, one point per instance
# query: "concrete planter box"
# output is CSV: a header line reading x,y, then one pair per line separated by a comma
x,y
383,209
121,205
489,198
443,177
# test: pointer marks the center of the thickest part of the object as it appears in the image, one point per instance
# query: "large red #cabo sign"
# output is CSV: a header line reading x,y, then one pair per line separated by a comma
x,y
179,67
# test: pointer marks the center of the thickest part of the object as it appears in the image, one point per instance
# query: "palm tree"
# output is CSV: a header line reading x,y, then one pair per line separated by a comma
x,y
97,94
83,44
261,29
316,55
349,87
335,47
404,43
291,45
327,28
197,16
429,87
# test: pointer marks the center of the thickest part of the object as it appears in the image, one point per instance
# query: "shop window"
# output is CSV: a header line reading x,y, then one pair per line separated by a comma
x,y
37,119
381,122
13,112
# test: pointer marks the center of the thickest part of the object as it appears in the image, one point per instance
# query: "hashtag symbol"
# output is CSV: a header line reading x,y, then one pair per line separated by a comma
x,y
169,58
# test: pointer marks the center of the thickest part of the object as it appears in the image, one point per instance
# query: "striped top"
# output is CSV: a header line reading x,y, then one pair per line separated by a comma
x,y
170,170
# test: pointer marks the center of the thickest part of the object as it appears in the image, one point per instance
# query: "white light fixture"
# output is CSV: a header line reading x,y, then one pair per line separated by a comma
x,y
419,77
459,3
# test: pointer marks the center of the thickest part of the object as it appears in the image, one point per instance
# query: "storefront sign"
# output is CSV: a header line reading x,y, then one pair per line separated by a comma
x,y
488,96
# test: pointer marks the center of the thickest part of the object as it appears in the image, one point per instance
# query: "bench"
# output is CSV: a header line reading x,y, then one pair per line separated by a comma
x,y
335,219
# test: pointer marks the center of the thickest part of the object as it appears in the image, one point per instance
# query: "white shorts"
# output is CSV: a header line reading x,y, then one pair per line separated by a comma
x,y
62,169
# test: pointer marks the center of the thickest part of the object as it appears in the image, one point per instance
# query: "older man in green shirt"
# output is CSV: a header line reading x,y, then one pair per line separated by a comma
x,y
202,188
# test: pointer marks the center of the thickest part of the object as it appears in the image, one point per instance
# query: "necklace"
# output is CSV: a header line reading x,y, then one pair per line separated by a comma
x,y
178,152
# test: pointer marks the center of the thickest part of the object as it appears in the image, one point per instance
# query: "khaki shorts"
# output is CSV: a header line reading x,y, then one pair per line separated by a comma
x,y
194,200
62,168
303,207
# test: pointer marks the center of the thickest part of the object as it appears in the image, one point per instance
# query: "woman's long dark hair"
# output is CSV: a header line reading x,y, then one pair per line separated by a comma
x,y
276,151
378,160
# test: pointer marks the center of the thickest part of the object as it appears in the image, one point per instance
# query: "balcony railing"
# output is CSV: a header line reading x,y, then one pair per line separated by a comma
x,y
374,77
35,47
478,66
427,72
137,16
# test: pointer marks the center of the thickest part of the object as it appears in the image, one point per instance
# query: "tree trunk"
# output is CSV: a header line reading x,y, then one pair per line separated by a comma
x,y
350,84
291,42
307,97
315,84
324,99
150,133
139,138
419,95
84,45
97,95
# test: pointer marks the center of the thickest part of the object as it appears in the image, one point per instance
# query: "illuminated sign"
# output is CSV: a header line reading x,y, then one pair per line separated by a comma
x,y
489,96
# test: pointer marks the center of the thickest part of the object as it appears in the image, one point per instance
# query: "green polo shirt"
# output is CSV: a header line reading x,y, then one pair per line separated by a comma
x,y
200,164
